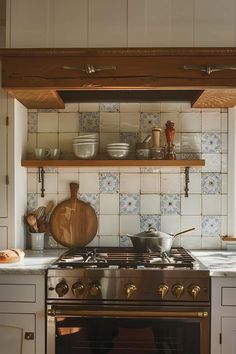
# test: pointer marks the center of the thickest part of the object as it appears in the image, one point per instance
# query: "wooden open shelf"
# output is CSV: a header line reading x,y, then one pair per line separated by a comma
x,y
112,163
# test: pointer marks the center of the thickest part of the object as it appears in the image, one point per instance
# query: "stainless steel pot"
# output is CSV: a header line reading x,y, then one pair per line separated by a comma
x,y
154,241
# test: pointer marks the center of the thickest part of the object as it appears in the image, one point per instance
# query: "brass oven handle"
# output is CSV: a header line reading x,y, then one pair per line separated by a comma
x,y
89,68
57,312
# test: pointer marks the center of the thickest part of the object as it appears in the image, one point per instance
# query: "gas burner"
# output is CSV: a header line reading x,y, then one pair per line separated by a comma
x,y
123,258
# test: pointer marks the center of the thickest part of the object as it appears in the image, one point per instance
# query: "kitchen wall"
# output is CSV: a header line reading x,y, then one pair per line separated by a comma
x,y
128,200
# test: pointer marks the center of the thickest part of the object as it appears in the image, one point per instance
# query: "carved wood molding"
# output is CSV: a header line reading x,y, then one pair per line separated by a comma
x,y
149,51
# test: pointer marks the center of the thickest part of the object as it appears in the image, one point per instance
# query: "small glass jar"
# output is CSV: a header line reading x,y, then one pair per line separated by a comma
x,y
157,153
142,151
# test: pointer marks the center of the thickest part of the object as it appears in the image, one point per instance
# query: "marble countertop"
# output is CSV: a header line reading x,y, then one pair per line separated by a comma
x,y
34,262
221,263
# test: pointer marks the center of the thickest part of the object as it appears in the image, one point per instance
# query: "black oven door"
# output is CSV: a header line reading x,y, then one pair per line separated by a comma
x,y
73,330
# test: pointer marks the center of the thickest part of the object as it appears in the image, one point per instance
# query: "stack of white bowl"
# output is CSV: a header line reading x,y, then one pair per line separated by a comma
x,y
118,150
85,145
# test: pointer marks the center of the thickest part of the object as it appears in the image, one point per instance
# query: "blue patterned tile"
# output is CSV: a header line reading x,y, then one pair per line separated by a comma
x,y
191,156
150,170
211,225
109,107
109,182
32,201
32,122
89,122
148,120
92,199
125,241
47,110
147,221
211,143
170,204
129,204
211,183
130,138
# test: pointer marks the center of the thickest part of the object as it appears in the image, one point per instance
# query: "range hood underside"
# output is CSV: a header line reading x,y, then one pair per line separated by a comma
x,y
49,78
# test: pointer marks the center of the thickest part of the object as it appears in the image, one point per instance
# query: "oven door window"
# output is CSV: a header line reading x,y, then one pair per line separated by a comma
x,y
119,335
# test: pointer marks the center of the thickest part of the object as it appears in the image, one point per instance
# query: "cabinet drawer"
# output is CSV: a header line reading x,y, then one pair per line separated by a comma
x,y
17,293
228,296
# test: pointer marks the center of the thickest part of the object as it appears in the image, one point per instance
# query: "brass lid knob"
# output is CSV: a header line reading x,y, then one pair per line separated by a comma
x,y
77,289
94,289
162,290
129,290
177,290
62,288
194,290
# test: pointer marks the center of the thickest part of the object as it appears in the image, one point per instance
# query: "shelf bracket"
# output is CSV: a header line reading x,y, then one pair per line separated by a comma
x,y
186,189
41,172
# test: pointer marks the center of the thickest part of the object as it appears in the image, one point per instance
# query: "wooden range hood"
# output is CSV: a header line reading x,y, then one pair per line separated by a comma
x,y
49,78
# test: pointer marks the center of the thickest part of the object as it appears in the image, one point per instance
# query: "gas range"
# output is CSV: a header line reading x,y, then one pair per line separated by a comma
x,y
122,274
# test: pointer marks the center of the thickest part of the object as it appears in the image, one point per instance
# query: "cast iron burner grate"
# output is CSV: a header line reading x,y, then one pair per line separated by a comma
x,y
115,257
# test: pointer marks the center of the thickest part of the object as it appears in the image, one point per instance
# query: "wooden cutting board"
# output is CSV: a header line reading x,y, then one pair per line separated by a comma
x,y
73,223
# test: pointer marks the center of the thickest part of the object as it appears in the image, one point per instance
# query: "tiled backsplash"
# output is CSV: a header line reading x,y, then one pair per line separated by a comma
x,y
129,200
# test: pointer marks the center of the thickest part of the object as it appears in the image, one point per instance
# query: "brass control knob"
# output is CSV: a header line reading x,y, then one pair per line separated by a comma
x,y
194,290
94,289
77,289
177,290
62,288
162,290
129,290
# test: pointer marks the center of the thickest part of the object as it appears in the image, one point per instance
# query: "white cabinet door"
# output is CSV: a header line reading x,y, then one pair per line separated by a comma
x,y
107,23
3,237
228,335
215,23
70,24
160,23
30,23
13,333
3,154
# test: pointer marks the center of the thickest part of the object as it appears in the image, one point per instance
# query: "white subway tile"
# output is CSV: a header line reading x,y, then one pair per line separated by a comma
x,y
150,204
191,122
89,107
89,183
129,183
109,204
64,180
187,222
48,122
191,243
109,225
211,204
150,107
70,107
47,140
129,122
170,183
109,122
191,205
109,241
129,224
211,121
69,123
129,107
150,183
170,223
